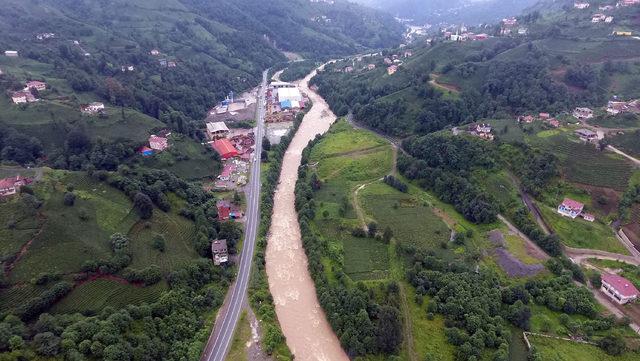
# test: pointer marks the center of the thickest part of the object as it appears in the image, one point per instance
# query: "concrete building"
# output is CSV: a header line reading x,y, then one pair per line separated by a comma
x,y
219,251
217,130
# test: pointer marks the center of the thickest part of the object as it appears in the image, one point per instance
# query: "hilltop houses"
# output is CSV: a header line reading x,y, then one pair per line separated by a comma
x,y
45,36
392,69
596,18
11,53
618,288
23,96
581,5
570,208
154,52
371,66
158,143
12,185
219,251
37,85
582,113
625,3
481,130
92,108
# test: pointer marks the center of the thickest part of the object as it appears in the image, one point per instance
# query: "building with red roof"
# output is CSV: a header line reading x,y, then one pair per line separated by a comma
x,y
570,208
225,148
9,186
158,143
618,288
38,85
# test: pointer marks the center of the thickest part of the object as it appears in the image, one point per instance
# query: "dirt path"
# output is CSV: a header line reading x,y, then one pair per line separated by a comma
x,y
443,86
532,248
25,247
304,324
636,161
408,327
580,255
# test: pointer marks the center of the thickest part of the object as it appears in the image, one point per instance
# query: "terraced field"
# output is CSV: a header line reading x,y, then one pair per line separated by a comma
x,y
412,221
92,297
583,163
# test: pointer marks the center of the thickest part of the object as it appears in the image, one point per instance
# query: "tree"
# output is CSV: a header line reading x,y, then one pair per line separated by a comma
x,y
388,329
612,344
387,234
158,243
69,199
266,144
596,280
236,197
373,229
47,344
143,205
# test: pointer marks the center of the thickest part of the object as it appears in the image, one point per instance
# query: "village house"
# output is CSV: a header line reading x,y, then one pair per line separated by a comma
x,y
228,210
126,68
408,54
11,185
217,130
23,96
621,33
616,107
37,85
44,36
605,7
582,113
618,288
225,149
554,122
586,135
92,108
371,66
570,208
482,36
219,251
172,64
11,53
348,69
526,119
598,18
158,143
155,52
608,19
388,61
625,3
522,31
544,116
581,5
588,217
509,21
392,69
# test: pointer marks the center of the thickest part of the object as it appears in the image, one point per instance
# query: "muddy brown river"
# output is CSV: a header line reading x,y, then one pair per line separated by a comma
x,y
303,322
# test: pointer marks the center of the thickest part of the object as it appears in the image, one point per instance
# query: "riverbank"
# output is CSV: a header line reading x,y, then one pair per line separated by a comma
x,y
303,322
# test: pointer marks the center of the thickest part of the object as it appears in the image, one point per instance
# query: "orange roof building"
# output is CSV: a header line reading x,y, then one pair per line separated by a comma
x,y
225,148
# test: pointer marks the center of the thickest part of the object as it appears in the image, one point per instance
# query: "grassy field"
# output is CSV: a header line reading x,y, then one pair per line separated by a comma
x,y
560,350
186,158
93,296
629,142
617,121
579,233
347,158
241,336
583,163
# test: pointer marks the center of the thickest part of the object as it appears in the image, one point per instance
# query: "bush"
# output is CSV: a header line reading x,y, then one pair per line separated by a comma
x,y
159,243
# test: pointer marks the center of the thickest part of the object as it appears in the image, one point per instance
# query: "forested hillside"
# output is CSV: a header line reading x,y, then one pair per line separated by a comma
x,y
563,60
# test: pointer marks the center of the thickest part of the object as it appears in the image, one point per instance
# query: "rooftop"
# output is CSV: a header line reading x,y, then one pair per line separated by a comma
x,y
621,284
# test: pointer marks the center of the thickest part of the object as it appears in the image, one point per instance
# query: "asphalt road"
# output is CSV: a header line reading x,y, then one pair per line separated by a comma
x,y
220,340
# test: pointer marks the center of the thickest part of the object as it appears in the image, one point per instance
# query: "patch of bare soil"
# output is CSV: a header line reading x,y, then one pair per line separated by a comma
x,y
604,200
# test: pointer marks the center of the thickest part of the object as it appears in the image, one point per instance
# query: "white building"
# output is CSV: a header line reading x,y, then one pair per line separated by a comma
x,y
291,94
11,53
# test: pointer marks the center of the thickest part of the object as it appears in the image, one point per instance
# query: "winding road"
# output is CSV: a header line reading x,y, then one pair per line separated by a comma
x,y
222,335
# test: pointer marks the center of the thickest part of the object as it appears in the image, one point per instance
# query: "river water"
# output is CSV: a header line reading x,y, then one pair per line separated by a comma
x,y
303,322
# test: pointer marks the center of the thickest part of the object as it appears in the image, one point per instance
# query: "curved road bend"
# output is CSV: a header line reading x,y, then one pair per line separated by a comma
x,y
303,322
220,340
